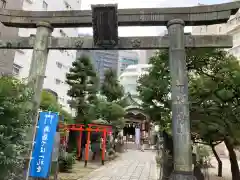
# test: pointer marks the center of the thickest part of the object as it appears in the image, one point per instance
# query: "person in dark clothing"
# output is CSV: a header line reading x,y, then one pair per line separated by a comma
x,y
125,130
197,172
95,144
83,143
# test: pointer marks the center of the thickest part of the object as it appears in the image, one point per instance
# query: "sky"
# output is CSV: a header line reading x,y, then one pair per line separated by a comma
x,y
143,31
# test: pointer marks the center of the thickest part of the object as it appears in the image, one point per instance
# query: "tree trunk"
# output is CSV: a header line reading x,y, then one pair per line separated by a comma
x,y
233,160
167,167
218,160
167,156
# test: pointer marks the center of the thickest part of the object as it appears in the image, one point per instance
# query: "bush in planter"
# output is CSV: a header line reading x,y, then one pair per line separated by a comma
x,y
66,162
204,156
111,154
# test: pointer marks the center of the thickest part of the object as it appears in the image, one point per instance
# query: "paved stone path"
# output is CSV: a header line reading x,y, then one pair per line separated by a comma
x,y
132,165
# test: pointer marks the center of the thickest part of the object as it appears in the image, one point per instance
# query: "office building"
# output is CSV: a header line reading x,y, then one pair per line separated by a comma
x,y
126,58
102,60
59,61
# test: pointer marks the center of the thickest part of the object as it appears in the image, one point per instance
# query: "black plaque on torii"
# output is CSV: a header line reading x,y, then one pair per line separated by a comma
x,y
105,25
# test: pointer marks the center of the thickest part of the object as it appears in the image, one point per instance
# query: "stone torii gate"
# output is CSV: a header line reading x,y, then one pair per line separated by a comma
x,y
105,20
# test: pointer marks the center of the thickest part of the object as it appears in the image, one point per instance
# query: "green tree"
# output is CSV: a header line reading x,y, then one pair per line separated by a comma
x,y
111,112
216,105
67,117
112,109
213,86
111,87
154,91
49,103
15,114
83,82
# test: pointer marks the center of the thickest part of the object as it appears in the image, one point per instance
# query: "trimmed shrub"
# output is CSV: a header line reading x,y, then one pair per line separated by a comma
x,y
66,162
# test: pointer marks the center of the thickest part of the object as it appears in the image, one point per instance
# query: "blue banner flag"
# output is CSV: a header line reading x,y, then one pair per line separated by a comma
x,y
43,145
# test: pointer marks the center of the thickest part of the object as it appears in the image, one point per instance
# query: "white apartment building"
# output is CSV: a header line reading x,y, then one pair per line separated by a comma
x,y
59,61
129,78
232,27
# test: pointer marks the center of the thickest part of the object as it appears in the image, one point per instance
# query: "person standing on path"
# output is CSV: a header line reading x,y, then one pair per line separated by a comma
x,y
142,141
137,137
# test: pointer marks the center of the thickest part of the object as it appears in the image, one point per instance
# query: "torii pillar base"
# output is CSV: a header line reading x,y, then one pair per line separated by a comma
x,y
182,175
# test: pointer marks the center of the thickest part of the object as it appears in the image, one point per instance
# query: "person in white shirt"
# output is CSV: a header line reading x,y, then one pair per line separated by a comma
x,y
137,137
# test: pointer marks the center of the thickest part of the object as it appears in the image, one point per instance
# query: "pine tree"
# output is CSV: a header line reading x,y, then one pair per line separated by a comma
x,y
112,111
83,82
111,87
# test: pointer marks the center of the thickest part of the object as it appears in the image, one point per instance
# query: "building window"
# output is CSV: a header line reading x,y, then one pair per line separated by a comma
x,y
45,5
59,65
57,81
3,3
16,69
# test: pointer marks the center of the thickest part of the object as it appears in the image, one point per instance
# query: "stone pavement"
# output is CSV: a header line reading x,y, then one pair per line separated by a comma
x,y
132,165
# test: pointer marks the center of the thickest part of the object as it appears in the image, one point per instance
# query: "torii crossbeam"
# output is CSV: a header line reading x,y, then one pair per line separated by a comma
x,y
105,20
151,42
192,16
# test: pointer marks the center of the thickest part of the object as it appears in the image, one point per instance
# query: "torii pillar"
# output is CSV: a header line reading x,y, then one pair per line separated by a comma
x,y
39,63
180,107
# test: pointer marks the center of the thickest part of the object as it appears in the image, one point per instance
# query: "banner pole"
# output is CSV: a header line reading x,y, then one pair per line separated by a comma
x,y
33,142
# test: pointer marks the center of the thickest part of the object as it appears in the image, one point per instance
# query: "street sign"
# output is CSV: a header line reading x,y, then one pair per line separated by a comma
x,y
43,145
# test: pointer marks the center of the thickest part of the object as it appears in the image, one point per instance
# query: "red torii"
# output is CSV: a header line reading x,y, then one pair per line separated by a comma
x,y
89,128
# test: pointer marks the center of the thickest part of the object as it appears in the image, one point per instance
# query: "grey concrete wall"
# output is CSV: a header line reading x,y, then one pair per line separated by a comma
x,y
7,56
